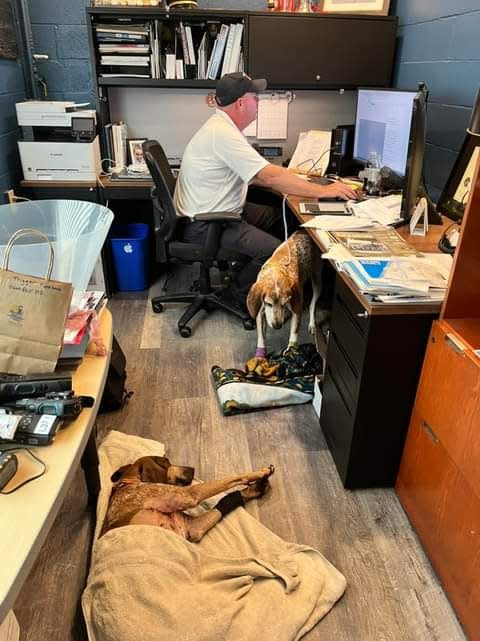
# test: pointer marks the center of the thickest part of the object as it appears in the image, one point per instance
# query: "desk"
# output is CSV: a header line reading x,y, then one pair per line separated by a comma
x,y
374,356
129,189
28,514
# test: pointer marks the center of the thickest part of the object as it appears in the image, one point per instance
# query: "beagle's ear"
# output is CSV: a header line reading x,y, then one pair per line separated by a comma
x,y
254,300
116,476
296,300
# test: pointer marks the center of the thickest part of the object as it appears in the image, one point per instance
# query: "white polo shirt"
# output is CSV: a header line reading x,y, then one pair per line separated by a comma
x,y
217,165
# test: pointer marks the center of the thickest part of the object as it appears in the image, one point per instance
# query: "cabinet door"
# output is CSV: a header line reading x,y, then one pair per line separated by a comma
x,y
448,399
323,52
445,513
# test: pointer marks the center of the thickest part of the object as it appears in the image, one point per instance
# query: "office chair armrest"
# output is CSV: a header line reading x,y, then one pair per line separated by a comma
x,y
218,217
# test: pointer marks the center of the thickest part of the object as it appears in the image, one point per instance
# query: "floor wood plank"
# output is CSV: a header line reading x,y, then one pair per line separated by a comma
x,y
392,594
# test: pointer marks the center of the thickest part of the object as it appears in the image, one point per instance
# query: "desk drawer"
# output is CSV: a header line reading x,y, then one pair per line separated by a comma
x,y
336,422
350,336
354,307
344,371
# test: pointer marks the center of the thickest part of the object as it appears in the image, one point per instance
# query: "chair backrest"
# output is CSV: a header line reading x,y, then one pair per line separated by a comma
x,y
164,214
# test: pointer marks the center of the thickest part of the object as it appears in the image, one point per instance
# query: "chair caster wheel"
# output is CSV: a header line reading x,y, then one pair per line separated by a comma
x,y
249,324
157,307
185,331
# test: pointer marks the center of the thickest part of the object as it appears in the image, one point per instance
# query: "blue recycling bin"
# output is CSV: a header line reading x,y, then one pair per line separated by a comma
x,y
130,256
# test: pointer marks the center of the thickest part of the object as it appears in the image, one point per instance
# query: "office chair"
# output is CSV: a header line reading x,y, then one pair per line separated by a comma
x,y
169,248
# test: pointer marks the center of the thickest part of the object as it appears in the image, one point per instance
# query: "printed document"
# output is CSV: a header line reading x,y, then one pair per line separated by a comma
x,y
312,154
272,116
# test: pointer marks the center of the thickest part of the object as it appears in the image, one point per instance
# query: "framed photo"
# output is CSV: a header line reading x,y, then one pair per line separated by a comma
x,y
375,7
454,197
135,151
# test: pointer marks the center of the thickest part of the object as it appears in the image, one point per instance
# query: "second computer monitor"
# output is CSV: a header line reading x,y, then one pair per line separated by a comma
x,y
382,125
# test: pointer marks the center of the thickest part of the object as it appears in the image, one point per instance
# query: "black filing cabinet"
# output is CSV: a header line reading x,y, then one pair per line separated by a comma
x,y
373,365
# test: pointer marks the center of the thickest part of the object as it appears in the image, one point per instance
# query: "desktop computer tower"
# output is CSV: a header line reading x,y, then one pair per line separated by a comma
x,y
341,156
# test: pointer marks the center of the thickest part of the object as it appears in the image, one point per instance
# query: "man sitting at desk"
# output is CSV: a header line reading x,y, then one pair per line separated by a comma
x,y
217,167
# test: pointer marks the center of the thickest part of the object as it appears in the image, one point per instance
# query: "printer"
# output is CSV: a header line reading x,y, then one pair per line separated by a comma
x,y
59,142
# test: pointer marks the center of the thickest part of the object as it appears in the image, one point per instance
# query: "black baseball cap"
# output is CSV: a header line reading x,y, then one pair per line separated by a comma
x,y
233,86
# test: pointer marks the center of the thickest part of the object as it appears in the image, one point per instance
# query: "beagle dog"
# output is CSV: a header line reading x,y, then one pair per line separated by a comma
x,y
277,293
151,491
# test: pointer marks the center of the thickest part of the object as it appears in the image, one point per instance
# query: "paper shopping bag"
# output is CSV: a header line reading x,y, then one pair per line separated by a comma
x,y
33,312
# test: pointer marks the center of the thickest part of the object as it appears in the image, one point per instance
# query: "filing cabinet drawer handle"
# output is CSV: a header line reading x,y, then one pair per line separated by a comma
x,y
431,434
362,314
453,342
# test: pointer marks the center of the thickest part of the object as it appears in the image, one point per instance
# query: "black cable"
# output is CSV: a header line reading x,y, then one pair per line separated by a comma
x,y
321,156
32,478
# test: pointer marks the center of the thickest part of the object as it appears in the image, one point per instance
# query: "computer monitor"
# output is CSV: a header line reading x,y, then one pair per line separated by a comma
x,y
382,125
414,187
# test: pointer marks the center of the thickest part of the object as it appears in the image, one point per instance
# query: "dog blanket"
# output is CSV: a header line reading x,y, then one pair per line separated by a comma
x,y
240,582
281,379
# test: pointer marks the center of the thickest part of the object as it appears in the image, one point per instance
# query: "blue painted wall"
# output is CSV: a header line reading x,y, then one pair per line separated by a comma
x,y
438,43
59,30
12,89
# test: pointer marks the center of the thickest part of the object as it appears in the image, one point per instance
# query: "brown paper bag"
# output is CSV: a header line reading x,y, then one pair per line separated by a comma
x,y
33,312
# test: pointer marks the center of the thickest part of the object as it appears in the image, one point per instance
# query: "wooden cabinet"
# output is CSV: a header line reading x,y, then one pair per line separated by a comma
x,y
321,52
439,478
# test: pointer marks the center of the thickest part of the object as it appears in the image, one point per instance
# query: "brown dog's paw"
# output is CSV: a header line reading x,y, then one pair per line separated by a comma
x,y
256,490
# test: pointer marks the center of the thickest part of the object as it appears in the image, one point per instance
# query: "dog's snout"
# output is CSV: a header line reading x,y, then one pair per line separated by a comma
x,y
277,324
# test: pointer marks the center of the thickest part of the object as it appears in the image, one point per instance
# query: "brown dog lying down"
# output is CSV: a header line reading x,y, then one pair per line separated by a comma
x,y
151,491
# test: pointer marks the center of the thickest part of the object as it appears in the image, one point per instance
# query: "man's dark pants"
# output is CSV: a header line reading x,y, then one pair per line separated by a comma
x,y
257,236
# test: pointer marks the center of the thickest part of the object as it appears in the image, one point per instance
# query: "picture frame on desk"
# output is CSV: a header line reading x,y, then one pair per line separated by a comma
x,y
454,197
371,7
135,151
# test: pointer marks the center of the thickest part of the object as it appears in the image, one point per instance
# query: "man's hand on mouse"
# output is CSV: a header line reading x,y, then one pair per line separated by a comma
x,y
338,189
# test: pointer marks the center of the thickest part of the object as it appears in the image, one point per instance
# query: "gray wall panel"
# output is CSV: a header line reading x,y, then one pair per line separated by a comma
x,y
173,116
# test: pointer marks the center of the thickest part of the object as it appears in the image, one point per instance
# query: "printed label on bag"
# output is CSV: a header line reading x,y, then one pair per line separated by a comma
x,y
128,249
44,424
8,425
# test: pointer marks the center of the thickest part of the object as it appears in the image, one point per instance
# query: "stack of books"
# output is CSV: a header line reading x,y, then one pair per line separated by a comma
x,y
124,50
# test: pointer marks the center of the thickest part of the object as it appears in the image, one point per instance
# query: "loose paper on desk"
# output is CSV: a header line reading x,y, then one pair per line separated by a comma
x,y
385,210
312,153
272,116
334,223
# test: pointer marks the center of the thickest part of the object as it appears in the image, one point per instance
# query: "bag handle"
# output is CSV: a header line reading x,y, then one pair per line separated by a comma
x,y
29,232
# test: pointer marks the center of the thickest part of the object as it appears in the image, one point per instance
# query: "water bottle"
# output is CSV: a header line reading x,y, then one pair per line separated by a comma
x,y
372,174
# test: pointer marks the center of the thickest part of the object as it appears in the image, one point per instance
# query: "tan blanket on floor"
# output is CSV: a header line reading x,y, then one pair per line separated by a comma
x,y
240,582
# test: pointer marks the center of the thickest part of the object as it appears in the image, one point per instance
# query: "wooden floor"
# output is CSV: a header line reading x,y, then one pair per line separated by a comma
x,y
392,593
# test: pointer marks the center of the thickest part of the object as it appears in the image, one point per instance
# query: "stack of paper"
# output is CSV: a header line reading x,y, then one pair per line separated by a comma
x,y
398,279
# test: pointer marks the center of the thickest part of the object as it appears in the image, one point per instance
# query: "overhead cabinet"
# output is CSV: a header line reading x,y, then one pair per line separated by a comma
x,y
320,52
292,51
